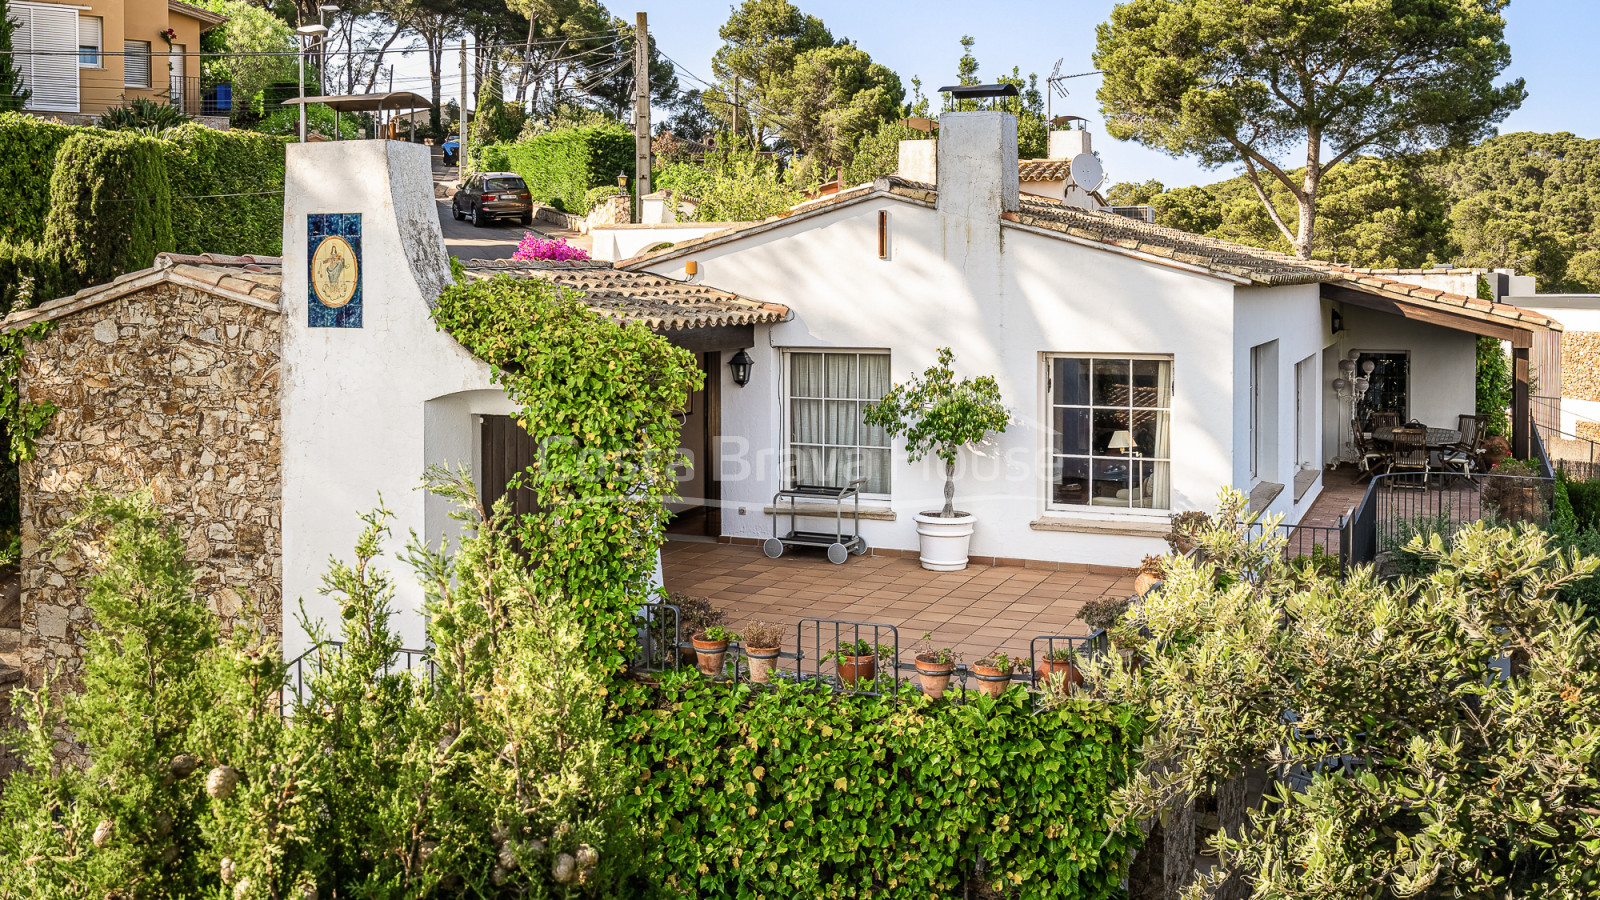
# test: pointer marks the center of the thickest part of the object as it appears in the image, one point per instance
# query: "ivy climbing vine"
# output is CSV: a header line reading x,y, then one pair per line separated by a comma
x,y
599,398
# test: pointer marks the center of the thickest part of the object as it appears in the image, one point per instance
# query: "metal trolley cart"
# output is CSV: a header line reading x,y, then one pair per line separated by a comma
x,y
839,544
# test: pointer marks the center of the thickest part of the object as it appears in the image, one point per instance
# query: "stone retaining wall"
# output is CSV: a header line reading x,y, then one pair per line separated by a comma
x,y
170,387
1580,365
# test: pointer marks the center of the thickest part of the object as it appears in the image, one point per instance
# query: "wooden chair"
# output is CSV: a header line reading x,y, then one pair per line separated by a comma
x,y
1465,457
1384,420
1369,459
1411,453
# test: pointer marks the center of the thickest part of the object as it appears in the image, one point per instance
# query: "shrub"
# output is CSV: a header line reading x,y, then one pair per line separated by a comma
x,y
739,186
246,167
285,122
593,196
536,246
143,115
41,262
795,792
28,147
564,165
110,205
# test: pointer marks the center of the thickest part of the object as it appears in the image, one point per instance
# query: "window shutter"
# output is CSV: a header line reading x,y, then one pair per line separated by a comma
x,y
46,42
89,36
136,63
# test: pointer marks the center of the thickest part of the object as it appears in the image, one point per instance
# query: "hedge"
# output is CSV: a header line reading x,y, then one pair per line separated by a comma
x,y
28,147
36,260
561,166
247,165
110,204
788,792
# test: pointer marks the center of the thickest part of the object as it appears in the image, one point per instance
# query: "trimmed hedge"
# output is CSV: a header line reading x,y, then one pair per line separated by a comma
x,y
800,793
28,147
204,161
41,262
110,205
561,166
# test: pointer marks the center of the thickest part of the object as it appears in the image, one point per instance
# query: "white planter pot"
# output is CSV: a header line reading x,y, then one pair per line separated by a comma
x,y
943,542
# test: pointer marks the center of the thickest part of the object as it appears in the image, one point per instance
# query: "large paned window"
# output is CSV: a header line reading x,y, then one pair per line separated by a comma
x,y
828,442
1110,432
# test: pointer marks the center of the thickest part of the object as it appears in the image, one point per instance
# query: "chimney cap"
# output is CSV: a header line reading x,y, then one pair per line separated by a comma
x,y
976,91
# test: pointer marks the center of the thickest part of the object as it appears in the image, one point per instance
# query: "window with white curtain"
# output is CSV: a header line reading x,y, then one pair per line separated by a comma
x,y
1110,422
136,63
828,393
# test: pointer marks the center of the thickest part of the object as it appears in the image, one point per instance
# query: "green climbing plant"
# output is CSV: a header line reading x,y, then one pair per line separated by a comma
x,y
939,415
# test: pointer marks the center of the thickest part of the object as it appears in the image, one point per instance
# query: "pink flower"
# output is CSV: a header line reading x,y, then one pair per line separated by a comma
x,y
536,246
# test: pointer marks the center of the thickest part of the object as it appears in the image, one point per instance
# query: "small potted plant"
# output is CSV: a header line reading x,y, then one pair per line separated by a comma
x,y
857,660
935,665
695,614
1496,450
1184,526
711,647
1149,575
762,643
1063,661
994,672
939,415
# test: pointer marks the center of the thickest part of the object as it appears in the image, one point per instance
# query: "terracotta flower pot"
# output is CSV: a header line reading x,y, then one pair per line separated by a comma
x,y
762,661
1496,450
991,680
1072,676
857,668
934,676
709,654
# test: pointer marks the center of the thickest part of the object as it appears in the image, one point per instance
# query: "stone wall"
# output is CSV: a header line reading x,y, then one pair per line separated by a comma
x,y
170,387
1580,365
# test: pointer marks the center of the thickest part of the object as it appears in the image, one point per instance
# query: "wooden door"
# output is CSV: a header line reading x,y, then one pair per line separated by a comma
x,y
506,450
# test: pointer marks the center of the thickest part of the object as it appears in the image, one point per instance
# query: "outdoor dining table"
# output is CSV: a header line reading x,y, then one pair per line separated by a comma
x,y
1438,438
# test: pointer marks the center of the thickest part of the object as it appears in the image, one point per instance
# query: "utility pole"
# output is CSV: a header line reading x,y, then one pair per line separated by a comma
x,y
641,106
736,107
461,148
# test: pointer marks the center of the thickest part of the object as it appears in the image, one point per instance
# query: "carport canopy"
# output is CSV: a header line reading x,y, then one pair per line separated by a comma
x,y
391,102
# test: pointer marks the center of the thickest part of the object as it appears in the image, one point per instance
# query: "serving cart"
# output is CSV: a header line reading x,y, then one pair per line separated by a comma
x,y
839,545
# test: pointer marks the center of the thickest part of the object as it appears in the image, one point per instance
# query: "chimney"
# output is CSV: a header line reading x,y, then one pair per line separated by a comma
x,y
919,161
1069,143
977,165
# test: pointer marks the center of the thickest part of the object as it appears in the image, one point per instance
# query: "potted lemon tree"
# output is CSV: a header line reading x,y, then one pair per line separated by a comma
x,y
939,415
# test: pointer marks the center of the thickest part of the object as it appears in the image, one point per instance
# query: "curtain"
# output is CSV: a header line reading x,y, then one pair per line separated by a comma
x,y
829,394
1158,494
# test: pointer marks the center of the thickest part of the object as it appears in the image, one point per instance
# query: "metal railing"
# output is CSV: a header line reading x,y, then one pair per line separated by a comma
x,y
1307,543
198,95
308,664
1391,514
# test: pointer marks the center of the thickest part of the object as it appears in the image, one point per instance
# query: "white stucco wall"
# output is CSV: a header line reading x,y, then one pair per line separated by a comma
x,y
1292,316
366,409
1443,369
1001,300
615,242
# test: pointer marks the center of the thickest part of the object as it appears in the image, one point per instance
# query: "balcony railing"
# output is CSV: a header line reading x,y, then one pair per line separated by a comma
x,y
201,96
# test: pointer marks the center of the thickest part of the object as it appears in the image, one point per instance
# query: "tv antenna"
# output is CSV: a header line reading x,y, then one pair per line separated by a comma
x,y
1053,86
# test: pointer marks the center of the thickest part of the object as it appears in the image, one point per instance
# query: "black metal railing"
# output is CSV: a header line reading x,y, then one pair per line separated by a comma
x,y
1399,513
200,95
308,664
1326,546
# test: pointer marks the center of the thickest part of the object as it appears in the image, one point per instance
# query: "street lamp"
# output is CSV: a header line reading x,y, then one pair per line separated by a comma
x,y
313,32
322,58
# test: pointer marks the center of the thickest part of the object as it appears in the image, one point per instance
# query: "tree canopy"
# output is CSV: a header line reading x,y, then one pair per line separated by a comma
x,y
832,97
1255,81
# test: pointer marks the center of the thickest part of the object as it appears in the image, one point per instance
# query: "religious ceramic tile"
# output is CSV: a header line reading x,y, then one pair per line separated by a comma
x,y
333,250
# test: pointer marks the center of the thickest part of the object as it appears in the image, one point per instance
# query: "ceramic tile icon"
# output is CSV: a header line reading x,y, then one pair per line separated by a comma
x,y
333,270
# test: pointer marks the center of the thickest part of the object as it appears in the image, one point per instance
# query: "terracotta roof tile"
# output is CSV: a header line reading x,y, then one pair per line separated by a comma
x,y
257,278
661,303
1044,169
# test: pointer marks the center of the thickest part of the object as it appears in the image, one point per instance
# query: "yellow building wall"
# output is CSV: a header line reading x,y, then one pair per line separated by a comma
x,y
134,20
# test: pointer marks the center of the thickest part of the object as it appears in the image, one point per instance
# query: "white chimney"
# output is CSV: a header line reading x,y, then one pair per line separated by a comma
x,y
977,160
919,161
1069,143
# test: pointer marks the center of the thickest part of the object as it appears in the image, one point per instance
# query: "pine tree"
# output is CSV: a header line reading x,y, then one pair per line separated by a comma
x,y
13,93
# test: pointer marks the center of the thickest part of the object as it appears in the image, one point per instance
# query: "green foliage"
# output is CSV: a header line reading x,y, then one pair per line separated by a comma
x,y
143,115
320,119
1227,81
256,49
939,415
1033,132
593,196
110,205
831,97
1424,773
13,93
1529,202
761,41
1584,497
878,154
741,185
245,167
797,792
29,146
1494,386
598,398
560,167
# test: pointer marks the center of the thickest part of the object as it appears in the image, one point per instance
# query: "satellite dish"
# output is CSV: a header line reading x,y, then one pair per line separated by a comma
x,y
1086,171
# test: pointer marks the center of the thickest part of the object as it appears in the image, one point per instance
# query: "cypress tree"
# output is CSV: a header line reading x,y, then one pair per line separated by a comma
x,y
110,205
13,94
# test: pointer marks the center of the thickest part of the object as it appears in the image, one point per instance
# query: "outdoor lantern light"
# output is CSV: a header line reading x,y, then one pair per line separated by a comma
x,y
622,180
741,364
1338,322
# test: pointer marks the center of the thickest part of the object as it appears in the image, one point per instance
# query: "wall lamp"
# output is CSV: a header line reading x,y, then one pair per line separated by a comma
x,y
741,364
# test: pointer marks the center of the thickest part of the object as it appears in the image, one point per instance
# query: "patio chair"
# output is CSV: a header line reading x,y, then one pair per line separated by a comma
x,y
1384,420
1411,454
1369,459
1465,457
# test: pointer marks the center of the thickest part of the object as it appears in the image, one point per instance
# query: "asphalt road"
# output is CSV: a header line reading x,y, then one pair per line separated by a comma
x,y
495,240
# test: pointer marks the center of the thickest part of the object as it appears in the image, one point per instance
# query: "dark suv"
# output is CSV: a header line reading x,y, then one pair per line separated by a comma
x,y
492,195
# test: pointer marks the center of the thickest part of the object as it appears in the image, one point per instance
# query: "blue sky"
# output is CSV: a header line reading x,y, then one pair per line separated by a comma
x,y
1553,46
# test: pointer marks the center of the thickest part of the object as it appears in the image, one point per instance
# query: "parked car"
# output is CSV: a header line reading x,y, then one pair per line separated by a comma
x,y
452,149
493,195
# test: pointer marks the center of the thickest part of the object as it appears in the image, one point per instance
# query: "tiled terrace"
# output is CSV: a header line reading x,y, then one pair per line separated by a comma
x,y
975,611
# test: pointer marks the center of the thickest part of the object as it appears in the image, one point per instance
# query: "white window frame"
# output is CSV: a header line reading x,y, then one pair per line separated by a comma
x,y
785,414
1048,432
45,44
128,52
99,42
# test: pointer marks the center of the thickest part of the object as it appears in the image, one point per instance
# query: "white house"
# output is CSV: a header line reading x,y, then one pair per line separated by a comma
x,y
1145,367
